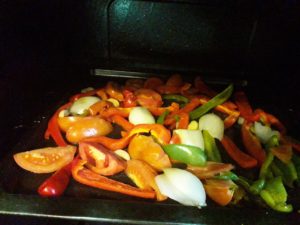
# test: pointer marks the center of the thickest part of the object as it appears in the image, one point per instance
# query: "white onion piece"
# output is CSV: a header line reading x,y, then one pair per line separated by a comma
x,y
264,133
81,105
213,124
140,115
181,186
241,120
190,137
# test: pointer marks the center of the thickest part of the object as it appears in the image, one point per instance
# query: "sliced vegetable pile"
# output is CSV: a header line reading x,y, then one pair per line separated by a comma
x,y
174,143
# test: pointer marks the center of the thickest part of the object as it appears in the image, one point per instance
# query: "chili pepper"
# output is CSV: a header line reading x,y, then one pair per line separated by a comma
x,y
53,127
188,154
211,148
57,183
275,195
124,123
129,99
243,105
176,98
90,178
161,118
252,144
212,103
257,186
227,176
244,160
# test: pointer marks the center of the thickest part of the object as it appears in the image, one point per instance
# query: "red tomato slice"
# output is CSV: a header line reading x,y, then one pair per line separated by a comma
x,y
45,160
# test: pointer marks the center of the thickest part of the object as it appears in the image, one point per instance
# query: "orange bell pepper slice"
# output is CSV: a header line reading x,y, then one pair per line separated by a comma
x,y
175,81
53,129
252,144
92,179
114,91
241,158
146,149
121,121
220,191
148,98
210,169
161,134
283,152
143,176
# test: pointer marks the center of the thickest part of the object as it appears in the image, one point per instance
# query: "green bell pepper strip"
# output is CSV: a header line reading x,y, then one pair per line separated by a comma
x,y
188,154
275,195
227,176
264,169
210,147
287,171
296,161
162,117
257,186
272,142
175,98
212,103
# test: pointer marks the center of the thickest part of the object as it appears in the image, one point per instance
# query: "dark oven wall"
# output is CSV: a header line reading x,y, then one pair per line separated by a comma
x,y
46,44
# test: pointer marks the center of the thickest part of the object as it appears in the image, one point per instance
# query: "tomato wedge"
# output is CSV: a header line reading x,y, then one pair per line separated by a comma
x,y
45,160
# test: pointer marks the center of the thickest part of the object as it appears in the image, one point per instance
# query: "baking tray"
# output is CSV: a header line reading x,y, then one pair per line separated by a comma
x,y
18,188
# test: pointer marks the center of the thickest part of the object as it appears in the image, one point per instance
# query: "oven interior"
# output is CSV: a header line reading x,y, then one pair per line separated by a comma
x,y
52,49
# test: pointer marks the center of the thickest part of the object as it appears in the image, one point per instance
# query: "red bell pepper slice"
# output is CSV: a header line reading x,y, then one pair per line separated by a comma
x,y
153,83
270,119
121,121
241,158
183,122
56,184
100,159
90,178
130,100
53,127
243,105
252,144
